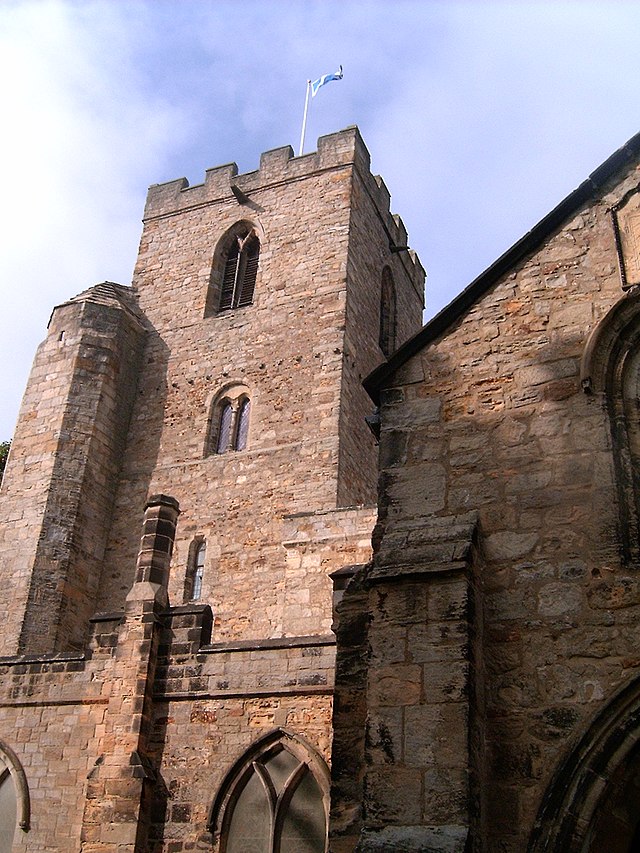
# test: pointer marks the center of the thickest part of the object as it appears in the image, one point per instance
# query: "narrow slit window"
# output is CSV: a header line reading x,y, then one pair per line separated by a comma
x,y
387,334
198,571
195,570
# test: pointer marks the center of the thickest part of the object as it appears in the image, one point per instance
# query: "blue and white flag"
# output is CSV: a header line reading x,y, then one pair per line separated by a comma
x,y
326,78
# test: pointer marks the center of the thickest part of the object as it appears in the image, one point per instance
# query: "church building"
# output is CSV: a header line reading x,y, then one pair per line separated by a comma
x,y
287,573
191,465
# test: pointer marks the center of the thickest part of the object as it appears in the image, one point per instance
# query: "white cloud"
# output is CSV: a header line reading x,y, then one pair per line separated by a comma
x,y
80,133
480,117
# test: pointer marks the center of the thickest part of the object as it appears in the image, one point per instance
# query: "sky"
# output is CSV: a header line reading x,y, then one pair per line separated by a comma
x,y
480,116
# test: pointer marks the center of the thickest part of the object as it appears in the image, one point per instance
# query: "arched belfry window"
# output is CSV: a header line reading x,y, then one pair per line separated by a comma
x,y
235,267
387,334
274,799
229,421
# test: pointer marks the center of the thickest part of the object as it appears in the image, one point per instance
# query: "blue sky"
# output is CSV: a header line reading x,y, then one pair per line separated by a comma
x,y
480,116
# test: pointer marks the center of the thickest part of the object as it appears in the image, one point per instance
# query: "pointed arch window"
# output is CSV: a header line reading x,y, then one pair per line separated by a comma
x,y
235,267
240,270
274,800
387,334
610,370
229,421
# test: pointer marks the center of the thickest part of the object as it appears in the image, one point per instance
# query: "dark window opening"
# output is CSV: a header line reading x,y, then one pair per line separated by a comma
x,y
195,570
240,270
387,334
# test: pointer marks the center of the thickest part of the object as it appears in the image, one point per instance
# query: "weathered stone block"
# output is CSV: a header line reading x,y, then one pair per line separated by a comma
x,y
393,796
395,685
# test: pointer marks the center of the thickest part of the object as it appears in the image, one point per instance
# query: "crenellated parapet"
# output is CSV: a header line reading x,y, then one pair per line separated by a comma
x,y
276,166
335,151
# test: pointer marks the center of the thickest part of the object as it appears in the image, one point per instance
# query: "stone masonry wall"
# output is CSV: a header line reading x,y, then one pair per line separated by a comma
x,y
77,722
214,700
286,349
210,706
58,490
52,714
372,232
283,348
126,742
491,418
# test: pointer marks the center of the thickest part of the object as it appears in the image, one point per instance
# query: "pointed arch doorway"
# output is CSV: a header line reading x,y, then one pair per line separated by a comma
x,y
593,802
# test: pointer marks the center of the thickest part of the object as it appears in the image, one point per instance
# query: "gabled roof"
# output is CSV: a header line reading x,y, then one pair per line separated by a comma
x,y
439,324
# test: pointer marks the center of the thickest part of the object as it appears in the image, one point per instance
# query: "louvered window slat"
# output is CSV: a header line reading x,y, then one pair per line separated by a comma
x,y
229,281
250,271
239,275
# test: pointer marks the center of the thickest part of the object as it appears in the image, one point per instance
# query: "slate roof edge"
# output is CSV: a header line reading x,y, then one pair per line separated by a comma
x,y
445,318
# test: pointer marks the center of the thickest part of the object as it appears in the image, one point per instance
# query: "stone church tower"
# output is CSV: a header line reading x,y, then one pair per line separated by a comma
x,y
185,687
156,692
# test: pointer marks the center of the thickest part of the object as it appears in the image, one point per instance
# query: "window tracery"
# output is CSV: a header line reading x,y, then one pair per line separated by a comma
x,y
274,799
235,268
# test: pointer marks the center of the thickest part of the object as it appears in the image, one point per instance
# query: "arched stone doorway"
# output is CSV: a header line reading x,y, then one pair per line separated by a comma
x,y
615,826
592,803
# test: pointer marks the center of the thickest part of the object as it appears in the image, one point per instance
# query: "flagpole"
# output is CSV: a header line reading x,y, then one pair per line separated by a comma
x,y
304,118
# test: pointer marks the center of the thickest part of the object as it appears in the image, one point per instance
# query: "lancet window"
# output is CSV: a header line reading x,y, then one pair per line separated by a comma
x,y
195,570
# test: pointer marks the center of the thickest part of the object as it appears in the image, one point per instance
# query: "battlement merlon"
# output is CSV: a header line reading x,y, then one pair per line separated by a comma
x,y
334,151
